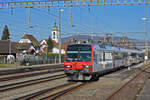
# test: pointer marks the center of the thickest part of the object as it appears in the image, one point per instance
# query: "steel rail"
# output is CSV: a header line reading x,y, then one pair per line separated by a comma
x,y
29,75
28,69
131,86
30,82
63,92
39,93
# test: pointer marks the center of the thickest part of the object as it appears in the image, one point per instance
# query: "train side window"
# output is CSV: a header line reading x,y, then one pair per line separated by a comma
x,y
108,56
119,56
125,55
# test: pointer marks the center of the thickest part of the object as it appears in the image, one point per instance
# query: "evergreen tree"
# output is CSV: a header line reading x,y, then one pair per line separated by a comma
x,y
5,34
50,44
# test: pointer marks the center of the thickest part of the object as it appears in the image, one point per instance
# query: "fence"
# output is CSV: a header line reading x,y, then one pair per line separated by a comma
x,y
32,60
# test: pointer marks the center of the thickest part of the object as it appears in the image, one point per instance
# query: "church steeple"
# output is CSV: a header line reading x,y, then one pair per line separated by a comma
x,y
55,27
55,32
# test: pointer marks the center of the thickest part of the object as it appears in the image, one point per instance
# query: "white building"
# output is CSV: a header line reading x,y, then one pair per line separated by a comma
x,y
55,33
30,39
54,50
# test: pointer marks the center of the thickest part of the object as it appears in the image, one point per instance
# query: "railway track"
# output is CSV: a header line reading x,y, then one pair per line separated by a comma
x,y
28,69
31,74
132,88
52,93
48,93
17,85
106,86
55,92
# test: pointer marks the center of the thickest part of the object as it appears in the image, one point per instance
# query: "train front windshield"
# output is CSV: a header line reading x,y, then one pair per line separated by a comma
x,y
78,52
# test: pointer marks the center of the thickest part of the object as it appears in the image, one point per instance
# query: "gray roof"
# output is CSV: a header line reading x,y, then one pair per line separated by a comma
x,y
5,46
32,39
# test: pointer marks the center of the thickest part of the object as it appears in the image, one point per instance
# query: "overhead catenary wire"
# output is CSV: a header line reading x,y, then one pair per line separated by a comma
x,y
85,27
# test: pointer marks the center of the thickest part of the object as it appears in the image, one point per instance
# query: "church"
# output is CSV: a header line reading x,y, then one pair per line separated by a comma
x,y
55,39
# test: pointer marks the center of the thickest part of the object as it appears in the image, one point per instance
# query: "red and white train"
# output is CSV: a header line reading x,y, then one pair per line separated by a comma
x,y
89,61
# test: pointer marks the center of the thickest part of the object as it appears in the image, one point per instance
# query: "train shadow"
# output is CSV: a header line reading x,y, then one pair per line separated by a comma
x,y
83,81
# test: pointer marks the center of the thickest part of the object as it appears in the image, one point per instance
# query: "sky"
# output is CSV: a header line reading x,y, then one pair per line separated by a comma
x,y
97,20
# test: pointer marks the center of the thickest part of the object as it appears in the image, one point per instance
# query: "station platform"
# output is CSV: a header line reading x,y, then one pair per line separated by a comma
x,y
145,93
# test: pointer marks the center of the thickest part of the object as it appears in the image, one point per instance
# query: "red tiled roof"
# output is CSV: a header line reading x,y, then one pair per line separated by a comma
x,y
54,42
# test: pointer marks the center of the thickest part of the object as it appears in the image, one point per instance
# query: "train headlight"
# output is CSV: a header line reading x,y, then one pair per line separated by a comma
x,y
87,66
68,66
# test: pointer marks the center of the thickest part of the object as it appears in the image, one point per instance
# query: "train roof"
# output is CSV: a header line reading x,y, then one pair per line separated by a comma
x,y
110,48
113,48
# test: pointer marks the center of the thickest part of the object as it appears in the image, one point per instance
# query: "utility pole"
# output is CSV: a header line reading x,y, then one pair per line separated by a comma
x,y
46,52
60,10
9,50
9,47
146,33
29,17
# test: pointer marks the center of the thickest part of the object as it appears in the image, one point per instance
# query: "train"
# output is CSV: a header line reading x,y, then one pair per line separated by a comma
x,y
83,62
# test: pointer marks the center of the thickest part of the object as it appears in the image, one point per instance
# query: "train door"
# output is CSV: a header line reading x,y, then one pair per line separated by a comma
x,y
94,60
97,61
100,59
133,57
126,59
119,60
108,60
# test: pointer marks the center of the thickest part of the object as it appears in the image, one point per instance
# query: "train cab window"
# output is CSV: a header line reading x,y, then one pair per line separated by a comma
x,y
78,52
85,56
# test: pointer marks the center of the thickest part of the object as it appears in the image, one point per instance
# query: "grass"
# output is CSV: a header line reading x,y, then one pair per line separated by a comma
x,y
8,65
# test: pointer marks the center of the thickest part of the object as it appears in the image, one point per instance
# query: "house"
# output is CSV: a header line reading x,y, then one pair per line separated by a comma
x,y
8,50
23,48
56,46
28,44
54,50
